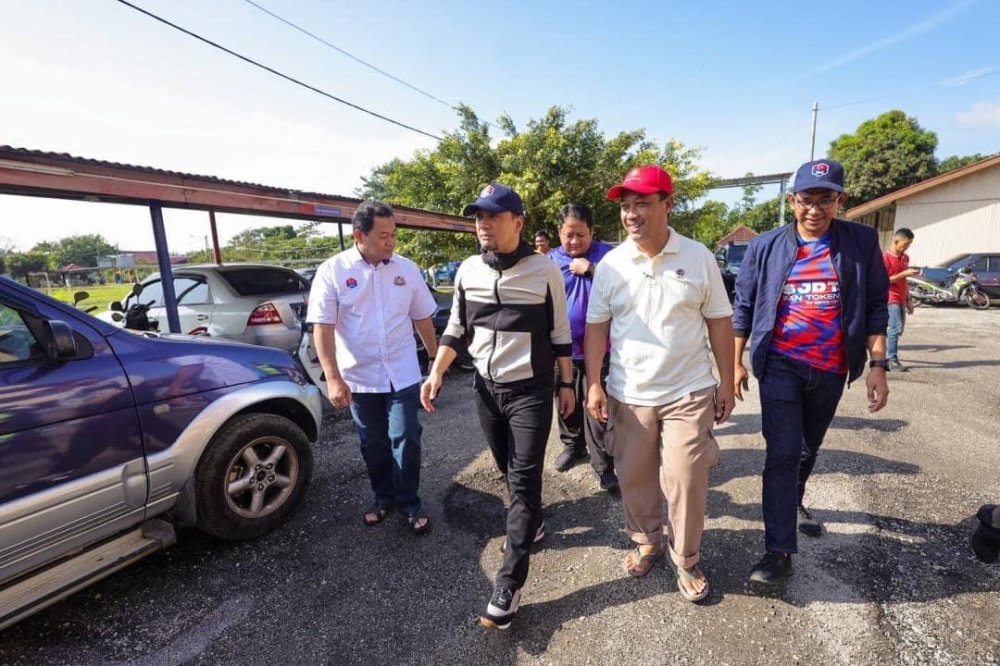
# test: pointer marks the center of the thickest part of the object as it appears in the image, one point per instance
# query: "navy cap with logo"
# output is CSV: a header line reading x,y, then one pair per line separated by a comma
x,y
496,198
827,174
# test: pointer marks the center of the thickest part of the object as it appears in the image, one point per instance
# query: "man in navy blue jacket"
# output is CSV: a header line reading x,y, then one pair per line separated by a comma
x,y
811,299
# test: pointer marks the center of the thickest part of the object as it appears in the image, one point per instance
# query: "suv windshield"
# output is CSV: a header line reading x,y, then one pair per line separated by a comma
x,y
736,254
258,281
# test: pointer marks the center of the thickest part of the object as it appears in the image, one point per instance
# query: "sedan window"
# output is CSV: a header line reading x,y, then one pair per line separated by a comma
x,y
191,291
258,281
979,265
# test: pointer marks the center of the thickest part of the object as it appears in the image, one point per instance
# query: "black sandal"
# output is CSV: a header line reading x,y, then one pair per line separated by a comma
x,y
380,513
422,529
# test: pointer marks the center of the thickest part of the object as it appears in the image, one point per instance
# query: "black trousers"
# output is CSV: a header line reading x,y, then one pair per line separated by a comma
x,y
580,431
516,422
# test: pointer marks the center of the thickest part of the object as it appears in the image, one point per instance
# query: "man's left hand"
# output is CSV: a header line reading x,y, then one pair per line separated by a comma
x,y
725,400
878,389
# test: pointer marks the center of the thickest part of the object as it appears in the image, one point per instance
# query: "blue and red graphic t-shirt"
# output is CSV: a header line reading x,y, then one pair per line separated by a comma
x,y
807,328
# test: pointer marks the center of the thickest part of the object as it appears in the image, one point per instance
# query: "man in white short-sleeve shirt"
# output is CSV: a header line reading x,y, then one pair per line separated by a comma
x,y
364,304
661,298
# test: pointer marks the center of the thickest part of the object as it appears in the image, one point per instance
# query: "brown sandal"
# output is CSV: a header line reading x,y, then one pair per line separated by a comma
x,y
640,564
685,578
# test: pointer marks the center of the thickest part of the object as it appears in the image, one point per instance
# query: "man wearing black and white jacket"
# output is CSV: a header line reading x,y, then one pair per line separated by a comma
x,y
510,311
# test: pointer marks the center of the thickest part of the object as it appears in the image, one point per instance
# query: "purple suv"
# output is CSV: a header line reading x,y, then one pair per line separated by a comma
x,y
109,438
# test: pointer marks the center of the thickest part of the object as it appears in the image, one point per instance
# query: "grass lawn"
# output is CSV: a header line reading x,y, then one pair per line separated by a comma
x,y
99,295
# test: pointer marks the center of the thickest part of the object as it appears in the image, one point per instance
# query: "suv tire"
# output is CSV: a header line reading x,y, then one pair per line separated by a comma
x,y
252,476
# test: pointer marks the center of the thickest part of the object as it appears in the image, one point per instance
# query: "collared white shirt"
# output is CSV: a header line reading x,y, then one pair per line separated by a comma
x,y
657,307
372,309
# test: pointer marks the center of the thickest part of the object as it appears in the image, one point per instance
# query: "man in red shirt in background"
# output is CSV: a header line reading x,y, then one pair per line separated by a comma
x,y
897,265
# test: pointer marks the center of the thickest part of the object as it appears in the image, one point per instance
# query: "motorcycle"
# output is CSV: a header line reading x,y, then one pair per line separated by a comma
x,y
136,316
80,297
962,287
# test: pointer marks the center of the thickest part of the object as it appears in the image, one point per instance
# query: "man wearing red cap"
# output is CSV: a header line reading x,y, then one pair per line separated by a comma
x,y
659,295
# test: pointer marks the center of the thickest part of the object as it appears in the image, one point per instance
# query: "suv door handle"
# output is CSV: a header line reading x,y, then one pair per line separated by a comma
x,y
201,317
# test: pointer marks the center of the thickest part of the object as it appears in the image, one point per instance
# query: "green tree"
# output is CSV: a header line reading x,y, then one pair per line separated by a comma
x,y
20,264
284,244
552,161
883,155
956,162
81,250
761,217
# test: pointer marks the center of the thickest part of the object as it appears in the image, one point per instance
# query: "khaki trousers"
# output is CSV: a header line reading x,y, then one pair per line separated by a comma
x,y
665,452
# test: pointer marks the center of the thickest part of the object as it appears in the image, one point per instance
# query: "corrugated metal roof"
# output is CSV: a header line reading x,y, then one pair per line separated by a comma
x,y
66,157
888,199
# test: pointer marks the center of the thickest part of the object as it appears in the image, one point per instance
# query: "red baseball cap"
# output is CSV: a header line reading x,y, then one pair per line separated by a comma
x,y
643,180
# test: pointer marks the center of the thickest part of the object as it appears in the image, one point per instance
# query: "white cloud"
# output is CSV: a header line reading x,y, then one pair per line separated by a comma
x,y
982,115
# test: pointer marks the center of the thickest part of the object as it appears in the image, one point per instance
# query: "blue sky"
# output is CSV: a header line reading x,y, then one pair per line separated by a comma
x,y
96,79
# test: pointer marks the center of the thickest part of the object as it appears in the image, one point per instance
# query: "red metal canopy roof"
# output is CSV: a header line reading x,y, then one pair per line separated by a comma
x,y
58,175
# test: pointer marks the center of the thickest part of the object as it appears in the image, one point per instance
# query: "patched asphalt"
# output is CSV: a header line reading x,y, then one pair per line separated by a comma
x,y
891,581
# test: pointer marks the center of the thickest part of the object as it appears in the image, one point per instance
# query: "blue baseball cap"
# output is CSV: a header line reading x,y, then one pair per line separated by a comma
x,y
827,174
496,198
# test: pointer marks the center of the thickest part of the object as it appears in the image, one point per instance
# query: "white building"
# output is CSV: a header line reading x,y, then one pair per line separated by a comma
x,y
955,213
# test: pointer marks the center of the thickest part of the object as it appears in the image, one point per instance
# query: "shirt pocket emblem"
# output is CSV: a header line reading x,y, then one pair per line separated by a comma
x,y
399,281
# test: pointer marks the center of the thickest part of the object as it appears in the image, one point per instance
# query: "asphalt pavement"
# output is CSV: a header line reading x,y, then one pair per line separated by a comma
x,y
891,580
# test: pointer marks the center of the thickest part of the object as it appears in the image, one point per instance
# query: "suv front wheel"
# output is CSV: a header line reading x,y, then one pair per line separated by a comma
x,y
252,476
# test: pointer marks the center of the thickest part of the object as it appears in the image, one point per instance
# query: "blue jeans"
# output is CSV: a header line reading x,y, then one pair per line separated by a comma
x,y
897,322
797,404
390,432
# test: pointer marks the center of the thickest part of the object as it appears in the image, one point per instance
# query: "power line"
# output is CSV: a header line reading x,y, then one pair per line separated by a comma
x,y
948,83
349,55
277,73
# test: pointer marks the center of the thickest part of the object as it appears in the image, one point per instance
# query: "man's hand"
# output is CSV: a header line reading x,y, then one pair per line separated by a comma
x,y
878,389
579,266
741,381
429,391
340,394
909,308
567,401
724,402
597,403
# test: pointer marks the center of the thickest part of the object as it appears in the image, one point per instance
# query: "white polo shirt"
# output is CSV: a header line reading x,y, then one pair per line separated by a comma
x,y
657,307
372,309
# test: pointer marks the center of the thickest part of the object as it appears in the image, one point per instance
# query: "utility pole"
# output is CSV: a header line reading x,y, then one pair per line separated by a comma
x,y
812,144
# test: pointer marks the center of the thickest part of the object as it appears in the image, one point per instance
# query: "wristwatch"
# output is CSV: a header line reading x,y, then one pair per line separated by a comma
x,y
879,363
563,385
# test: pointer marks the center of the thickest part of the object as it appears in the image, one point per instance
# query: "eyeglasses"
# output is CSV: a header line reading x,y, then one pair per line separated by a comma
x,y
826,203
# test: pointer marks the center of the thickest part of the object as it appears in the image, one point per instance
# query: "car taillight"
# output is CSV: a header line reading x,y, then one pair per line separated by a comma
x,y
264,314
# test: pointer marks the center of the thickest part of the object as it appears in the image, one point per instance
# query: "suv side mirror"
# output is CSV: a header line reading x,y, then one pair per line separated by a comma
x,y
59,342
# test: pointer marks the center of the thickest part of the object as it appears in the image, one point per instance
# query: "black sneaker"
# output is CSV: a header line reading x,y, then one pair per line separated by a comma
x,y
609,481
568,458
807,524
539,536
896,366
501,609
772,568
